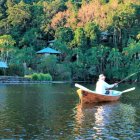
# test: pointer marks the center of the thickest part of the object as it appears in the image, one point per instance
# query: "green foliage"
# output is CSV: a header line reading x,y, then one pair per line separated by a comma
x,y
61,46
6,46
26,54
37,14
64,34
92,33
7,42
40,77
132,56
30,37
78,71
18,14
114,63
15,69
44,77
35,76
124,16
80,38
26,26
63,72
47,64
96,58
48,77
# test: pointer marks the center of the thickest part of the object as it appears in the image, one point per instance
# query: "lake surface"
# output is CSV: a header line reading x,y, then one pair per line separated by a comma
x,y
53,112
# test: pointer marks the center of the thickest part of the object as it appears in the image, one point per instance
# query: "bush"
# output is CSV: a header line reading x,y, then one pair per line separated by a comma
x,y
15,69
48,77
34,76
40,77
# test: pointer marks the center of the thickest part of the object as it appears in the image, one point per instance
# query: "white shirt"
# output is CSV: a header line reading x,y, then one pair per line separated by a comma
x,y
101,86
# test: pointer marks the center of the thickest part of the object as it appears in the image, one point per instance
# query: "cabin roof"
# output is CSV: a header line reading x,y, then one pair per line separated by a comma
x,y
3,64
49,51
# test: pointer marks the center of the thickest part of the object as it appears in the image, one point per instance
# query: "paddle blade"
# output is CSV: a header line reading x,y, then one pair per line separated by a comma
x,y
127,90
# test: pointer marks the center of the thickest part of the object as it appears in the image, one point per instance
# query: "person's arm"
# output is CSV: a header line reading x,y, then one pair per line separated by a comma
x,y
107,86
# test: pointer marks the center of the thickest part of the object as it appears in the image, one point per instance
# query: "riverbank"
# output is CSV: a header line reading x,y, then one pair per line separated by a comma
x,y
23,80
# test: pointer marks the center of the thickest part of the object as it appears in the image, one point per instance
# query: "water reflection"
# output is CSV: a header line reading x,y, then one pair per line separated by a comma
x,y
36,111
105,121
50,111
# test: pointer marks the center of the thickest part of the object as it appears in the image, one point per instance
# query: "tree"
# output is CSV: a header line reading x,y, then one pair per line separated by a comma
x,y
22,61
92,33
50,9
131,56
114,62
80,39
6,45
48,65
2,9
17,19
59,20
29,37
18,14
123,21
71,13
64,34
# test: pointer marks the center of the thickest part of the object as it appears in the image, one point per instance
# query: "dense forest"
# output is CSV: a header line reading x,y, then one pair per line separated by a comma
x,y
93,36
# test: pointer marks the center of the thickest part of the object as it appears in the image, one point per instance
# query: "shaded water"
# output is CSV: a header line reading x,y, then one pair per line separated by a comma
x,y
52,111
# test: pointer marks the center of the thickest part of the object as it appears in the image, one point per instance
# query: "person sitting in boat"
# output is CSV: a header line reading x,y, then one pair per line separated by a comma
x,y
102,87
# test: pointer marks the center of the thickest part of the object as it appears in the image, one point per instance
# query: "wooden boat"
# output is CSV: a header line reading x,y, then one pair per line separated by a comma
x,y
88,96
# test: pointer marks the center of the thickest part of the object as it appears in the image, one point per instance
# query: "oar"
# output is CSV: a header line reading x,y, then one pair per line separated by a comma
x,y
127,90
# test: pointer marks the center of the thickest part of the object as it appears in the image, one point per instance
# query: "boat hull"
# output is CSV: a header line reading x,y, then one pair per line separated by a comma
x,y
88,97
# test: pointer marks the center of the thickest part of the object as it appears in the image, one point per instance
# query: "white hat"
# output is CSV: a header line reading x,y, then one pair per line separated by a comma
x,y
101,76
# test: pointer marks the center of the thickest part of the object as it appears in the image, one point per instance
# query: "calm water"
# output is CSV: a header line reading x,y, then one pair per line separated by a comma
x,y
53,112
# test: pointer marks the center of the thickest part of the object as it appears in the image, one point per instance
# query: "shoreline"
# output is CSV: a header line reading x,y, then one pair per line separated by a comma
x,y
53,82
42,82
22,80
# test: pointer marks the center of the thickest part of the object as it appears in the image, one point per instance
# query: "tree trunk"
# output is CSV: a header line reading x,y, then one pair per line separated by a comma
x,y
115,38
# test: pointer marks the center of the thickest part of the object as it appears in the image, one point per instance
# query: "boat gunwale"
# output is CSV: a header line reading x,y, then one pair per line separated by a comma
x,y
108,95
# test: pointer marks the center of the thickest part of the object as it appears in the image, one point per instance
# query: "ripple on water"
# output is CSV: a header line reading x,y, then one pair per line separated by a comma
x,y
51,112
109,121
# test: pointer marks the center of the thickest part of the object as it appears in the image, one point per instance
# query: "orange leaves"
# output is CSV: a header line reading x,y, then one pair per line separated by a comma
x,y
93,12
66,18
85,14
59,20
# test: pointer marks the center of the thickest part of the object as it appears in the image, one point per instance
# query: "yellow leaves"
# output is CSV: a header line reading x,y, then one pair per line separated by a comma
x,y
46,6
138,36
6,42
19,13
